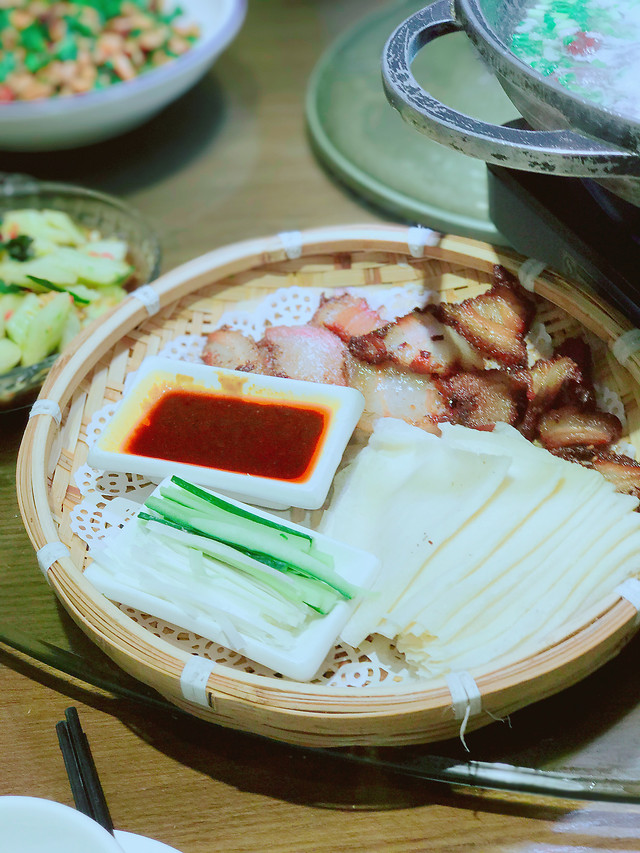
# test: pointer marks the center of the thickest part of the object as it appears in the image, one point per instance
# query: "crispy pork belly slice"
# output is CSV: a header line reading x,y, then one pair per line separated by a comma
x,y
418,342
346,316
495,322
229,348
571,426
311,353
622,471
393,393
547,378
578,390
580,455
481,399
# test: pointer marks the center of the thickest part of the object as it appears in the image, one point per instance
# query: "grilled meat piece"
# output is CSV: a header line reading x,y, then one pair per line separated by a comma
x,y
418,342
578,390
570,426
393,393
480,399
622,471
229,348
547,378
307,352
495,322
346,316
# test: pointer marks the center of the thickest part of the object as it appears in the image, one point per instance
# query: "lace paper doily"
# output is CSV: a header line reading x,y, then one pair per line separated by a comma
x,y
103,509
295,306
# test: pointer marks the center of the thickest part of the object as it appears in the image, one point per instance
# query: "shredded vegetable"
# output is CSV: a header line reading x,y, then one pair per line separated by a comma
x,y
225,568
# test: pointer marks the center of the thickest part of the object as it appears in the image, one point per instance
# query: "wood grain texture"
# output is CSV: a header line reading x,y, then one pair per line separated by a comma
x,y
200,788
231,161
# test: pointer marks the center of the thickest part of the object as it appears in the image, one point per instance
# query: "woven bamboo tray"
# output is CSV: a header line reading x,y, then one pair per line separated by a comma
x,y
192,298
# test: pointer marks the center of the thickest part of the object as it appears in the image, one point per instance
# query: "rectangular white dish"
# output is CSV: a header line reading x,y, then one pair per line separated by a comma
x,y
115,572
158,378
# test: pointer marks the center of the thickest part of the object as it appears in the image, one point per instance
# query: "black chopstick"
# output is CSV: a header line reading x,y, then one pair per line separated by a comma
x,y
83,777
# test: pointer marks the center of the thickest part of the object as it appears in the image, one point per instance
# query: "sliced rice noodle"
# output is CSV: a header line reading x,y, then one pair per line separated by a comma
x,y
489,544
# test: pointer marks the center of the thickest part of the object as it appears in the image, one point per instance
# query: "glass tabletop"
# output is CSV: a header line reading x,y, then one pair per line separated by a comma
x,y
578,744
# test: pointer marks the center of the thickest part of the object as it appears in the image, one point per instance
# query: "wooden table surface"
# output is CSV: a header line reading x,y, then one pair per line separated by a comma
x,y
229,161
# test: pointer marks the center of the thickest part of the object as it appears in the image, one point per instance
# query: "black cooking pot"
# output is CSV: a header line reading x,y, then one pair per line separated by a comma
x,y
568,135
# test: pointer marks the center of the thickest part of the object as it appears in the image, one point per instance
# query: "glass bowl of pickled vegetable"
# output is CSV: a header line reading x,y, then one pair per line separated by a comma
x,y
67,255
74,73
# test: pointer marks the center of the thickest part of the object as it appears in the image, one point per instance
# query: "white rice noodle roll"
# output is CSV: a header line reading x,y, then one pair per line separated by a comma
x,y
532,547
401,501
584,566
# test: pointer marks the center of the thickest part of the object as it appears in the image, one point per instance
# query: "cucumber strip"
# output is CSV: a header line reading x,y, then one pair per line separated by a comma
x,y
292,586
251,579
50,285
321,555
278,553
192,537
296,591
300,586
256,539
186,499
236,510
232,528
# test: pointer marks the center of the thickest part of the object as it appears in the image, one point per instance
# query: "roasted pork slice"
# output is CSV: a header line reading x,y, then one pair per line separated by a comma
x,y
393,393
547,378
418,342
346,316
495,322
571,426
312,353
578,390
622,471
229,348
580,455
481,399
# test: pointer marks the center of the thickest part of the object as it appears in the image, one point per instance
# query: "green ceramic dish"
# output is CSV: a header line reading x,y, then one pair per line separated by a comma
x,y
364,142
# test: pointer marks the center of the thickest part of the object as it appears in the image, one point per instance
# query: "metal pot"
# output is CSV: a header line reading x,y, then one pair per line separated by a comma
x,y
568,135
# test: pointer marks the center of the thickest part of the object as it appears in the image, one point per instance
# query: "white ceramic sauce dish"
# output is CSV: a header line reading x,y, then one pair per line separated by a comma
x,y
302,654
268,441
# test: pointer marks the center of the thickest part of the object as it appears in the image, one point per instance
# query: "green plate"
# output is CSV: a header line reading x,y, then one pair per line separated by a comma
x,y
364,142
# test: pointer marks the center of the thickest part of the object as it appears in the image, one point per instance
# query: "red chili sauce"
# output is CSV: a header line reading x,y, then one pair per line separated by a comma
x,y
267,439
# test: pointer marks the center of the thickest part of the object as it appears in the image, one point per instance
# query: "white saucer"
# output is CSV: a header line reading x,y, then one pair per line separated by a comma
x,y
131,843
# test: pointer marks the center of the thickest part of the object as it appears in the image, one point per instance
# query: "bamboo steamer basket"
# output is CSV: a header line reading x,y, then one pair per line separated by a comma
x,y
91,373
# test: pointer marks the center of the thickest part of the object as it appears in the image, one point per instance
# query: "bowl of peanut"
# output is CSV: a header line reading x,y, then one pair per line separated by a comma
x,y
74,73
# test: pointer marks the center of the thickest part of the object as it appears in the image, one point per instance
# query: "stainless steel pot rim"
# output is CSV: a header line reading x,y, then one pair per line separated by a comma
x,y
580,113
